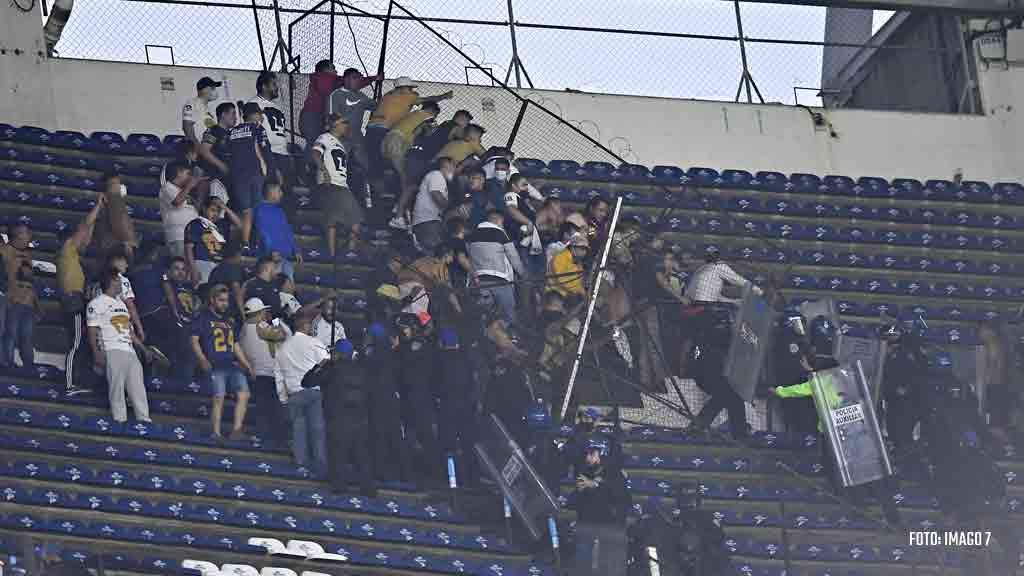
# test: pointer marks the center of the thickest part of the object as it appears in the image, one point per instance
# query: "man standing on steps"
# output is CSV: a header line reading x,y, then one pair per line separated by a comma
x,y
111,336
351,103
196,118
279,165
221,359
71,286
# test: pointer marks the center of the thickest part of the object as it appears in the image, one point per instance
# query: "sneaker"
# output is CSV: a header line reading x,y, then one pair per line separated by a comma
x,y
76,391
158,357
237,435
399,223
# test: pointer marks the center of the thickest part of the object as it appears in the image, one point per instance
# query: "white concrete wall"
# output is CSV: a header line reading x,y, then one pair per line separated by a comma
x,y
88,95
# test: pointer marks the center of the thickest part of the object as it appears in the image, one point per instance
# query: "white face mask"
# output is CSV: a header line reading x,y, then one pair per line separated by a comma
x,y
124,190
501,175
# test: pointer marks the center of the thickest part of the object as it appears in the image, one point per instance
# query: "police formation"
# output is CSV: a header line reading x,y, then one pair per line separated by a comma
x,y
933,431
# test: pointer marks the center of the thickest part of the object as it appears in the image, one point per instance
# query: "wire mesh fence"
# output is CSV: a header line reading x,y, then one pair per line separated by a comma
x,y
688,49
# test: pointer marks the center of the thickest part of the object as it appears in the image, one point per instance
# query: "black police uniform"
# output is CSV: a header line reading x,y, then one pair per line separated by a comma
x,y
419,409
901,389
346,408
459,401
707,364
390,452
799,413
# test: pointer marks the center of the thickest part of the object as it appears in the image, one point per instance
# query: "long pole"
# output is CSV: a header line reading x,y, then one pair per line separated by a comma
x,y
515,47
259,35
745,79
590,308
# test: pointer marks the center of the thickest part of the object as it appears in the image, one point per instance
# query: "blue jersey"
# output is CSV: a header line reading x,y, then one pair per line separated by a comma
x,y
243,141
216,338
207,242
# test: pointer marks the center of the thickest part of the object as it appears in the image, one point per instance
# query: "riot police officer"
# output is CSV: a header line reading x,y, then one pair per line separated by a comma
x,y
346,409
707,365
417,360
792,351
390,452
905,365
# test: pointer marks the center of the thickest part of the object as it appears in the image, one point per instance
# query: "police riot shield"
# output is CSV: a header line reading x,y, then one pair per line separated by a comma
x,y
870,352
522,487
844,405
752,333
969,367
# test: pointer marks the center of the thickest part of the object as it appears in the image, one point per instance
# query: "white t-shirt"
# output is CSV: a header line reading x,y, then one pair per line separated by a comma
x,y
322,331
197,110
110,316
426,209
296,356
274,124
127,293
257,350
335,158
175,218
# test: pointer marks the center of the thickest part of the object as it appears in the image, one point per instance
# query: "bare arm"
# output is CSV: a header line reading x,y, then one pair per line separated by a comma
x,y
236,222
197,349
206,152
94,344
242,360
439,98
83,234
239,294
136,320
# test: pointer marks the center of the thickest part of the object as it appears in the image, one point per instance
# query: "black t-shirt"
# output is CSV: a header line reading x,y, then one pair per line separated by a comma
x,y
432,142
218,138
455,271
265,291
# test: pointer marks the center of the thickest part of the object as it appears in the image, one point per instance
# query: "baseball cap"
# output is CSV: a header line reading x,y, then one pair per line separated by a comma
x,y
448,337
579,240
404,82
389,291
207,82
254,305
250,108
217,190
345,349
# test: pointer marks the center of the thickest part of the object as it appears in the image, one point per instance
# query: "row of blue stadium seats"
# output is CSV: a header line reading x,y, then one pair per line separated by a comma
x,y
103,164
892,554
853,234
56,201
867,186
43,177
78,497
97,142
453,563
926,215
879,309
252,490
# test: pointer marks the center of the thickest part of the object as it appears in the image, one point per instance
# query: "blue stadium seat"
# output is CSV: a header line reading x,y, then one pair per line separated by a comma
x,y
879,286
974,192
960,241
632,174
106,143
822,233
883,309
750,228
851,308
802,281
748,253
637,198
69,139
892,237
598,171
565,169
1000,220
32,135
778,256
914,288
840,186
962,217
143,145
855,260
700,176
928,215
874,187
770,181
736,179
997,243
836,284
680,223
817,257
7,132
856,235
939,191
668,175
586,194
715,225
563,193
786,230
853,211
923,238
171,144
742,204
1008,193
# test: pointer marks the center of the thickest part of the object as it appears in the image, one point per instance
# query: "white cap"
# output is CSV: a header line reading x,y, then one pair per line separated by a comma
x,y
254,305
404,82
217,190
290,303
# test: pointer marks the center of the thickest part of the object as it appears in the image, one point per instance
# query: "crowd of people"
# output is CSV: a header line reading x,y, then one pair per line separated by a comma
x,y
474,307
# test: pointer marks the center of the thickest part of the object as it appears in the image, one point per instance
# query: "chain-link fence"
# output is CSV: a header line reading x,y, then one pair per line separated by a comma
x,y
691,49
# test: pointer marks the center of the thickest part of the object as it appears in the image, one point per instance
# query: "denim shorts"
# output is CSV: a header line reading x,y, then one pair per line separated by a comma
x,y
223,378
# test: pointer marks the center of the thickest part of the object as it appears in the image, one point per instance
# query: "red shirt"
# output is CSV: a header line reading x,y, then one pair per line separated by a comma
x,y
321,84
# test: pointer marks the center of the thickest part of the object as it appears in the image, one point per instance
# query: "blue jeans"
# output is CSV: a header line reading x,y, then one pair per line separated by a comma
x,y
21,323
307,412
504,298
221,379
